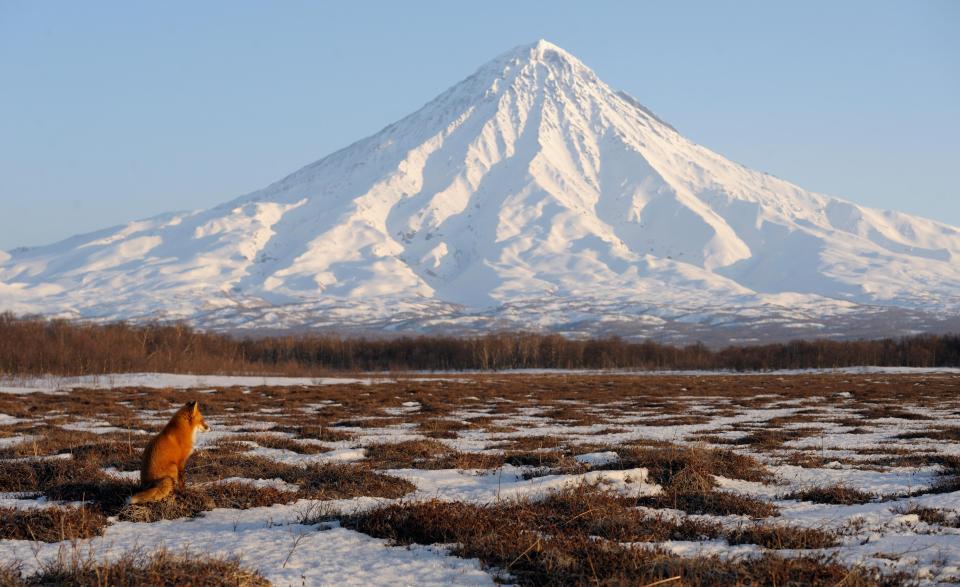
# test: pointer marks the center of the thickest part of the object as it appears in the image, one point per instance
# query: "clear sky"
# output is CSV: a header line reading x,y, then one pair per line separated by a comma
x,y
113,111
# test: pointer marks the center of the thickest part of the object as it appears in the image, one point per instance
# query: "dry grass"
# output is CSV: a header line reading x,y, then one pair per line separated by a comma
x,y
838,494
280,442
323,433
580,510
195,500
316,481
949,478
950,433
891,410
529,443
71,480
65,480
579,537
717,503
50,524
434,427
125,456
772,438
136,569
224,462
408,454
932,516
782,537
567,538
335,481
50,440
10,574
685,469
374,422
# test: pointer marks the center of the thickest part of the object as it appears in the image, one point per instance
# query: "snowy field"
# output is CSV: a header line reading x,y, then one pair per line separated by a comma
x,y
483,478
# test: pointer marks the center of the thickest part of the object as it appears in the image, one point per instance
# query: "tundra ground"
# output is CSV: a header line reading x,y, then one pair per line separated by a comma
x,y
475,479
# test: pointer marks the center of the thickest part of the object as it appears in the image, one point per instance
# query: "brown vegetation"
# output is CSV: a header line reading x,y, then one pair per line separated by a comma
x,y
193,501
782,537
584,537
834,494
50,524
684,468
39,346
932,516
717,503
136,568
517,420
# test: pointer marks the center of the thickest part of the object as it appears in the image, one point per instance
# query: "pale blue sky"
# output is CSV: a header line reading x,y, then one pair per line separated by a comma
x,y
113,111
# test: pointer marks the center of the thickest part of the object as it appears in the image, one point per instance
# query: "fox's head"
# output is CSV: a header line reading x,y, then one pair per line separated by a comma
x,y
194,417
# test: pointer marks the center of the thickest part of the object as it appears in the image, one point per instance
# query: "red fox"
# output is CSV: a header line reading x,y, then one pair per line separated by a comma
x,y
166,456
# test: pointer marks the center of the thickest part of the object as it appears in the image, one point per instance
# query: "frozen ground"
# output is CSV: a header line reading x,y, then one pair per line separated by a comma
x,y
881,447
209,383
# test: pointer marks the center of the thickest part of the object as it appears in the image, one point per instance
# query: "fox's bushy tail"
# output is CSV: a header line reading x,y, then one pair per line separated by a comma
x,y
161,488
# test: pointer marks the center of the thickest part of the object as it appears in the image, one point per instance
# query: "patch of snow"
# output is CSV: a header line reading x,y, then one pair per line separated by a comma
x,y
596,459
508,483
269,540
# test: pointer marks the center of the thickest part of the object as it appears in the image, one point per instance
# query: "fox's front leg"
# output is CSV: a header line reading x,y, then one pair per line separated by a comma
x,y
181,476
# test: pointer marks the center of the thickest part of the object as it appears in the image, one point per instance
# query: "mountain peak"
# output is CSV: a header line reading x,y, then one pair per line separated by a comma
x,y
544,49
541,52
529,195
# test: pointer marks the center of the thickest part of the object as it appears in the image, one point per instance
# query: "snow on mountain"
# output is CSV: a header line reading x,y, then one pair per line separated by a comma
x,y
529,195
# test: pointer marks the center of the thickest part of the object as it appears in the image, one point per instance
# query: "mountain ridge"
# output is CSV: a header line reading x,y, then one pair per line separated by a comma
x,y
530,183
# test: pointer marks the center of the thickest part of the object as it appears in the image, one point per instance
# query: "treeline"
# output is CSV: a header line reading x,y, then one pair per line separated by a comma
x,y
31,346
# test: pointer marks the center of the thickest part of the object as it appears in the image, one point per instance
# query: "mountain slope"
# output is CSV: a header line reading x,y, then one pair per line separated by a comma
x,y
528,195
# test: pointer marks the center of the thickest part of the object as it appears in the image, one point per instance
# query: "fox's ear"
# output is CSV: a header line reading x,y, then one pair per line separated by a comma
x,y
192,407
196,407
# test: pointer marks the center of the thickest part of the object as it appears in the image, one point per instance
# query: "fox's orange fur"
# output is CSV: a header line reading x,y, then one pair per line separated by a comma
x,y
164,459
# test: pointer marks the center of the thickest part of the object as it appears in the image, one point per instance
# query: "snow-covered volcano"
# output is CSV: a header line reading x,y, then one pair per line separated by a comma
x,y
529,195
